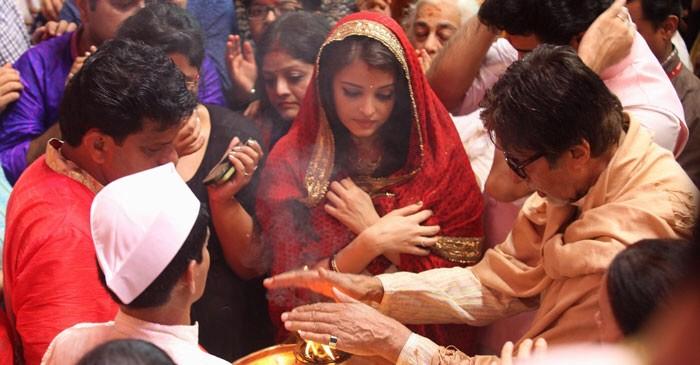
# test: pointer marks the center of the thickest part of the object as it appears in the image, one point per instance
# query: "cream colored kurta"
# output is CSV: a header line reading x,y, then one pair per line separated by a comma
x,y
555,256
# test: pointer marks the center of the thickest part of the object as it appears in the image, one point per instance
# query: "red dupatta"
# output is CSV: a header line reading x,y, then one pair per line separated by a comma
x,y
300,168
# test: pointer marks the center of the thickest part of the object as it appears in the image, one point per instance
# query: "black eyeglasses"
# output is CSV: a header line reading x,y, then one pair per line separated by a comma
x,y
519,167
258,12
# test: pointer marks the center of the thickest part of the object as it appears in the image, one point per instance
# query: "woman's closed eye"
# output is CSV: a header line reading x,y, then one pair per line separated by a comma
x,y
351,93
385,95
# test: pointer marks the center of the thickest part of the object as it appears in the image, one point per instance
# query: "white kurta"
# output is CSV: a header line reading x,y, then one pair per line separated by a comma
x,y
180,342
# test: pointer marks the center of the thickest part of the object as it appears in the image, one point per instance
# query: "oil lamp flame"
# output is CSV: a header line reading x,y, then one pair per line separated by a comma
x,y
316,351
309,352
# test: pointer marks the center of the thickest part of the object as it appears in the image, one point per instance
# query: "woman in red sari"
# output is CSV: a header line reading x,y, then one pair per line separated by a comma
x,y
372,175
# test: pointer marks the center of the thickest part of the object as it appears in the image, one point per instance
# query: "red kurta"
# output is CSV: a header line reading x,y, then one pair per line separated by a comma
x,y
50,270
436,172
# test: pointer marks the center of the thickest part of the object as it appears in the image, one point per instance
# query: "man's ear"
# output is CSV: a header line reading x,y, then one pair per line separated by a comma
x,y
98,145
189,278
579,155
669,27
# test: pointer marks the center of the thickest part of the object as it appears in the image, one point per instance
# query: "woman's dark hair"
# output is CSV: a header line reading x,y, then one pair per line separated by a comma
x,y
126,352
121,86
550,101
300,35
552,21
641,279
158,292
168,27
396,131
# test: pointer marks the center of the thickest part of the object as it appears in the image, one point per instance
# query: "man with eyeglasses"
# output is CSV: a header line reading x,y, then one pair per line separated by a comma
x,y
602,185
240,54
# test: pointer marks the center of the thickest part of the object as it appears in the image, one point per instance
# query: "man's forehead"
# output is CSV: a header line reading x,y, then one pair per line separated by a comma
x,y
444,10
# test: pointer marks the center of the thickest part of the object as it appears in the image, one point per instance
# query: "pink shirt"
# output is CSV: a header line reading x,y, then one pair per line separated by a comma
x,y
180,342
638,81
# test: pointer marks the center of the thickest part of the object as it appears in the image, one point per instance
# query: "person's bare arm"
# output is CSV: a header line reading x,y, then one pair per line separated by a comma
x,y
455,67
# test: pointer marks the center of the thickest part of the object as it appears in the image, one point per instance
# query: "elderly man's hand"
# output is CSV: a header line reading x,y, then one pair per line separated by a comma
x,y
322,281
359,328
609,39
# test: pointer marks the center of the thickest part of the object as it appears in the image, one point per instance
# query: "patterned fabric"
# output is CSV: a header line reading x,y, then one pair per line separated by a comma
x,y
301,166
14,39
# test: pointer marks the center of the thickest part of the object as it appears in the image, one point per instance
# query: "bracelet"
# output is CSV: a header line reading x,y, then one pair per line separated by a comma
x,y
332,265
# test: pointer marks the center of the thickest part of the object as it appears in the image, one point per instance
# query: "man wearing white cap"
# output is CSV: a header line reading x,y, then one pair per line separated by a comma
x,y
119,115
150,237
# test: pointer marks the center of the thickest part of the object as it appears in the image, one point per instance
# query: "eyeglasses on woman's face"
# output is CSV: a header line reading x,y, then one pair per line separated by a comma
x,y
257,12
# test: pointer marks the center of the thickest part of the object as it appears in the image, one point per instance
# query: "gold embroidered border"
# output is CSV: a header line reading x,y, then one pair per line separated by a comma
x,y
460,250
317,178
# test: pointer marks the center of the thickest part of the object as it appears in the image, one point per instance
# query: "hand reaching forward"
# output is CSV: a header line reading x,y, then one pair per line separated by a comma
x,y
358,328
322,281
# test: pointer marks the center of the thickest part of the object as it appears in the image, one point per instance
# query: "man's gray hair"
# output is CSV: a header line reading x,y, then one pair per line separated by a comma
x,y
467,9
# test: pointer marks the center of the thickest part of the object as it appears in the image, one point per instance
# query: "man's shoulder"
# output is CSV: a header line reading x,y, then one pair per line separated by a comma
x,y
54,47
41,184
73,342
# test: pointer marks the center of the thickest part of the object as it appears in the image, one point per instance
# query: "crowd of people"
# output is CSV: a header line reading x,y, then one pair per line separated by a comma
x,y
420,182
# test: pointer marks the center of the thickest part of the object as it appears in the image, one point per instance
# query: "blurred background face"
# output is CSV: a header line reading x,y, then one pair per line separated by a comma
x,y
656,38
286,80
434,25
377,6
102,18
364,98
262,13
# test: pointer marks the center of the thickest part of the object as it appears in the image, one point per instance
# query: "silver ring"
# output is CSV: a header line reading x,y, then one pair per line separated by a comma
x,y
332,342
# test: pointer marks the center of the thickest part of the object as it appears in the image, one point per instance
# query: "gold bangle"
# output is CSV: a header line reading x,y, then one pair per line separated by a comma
x,y
333,264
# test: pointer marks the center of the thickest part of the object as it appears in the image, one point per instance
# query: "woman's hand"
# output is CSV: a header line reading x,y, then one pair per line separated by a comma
x,y
241,64
78,63
401,231
351,205
245,158
525,351
190,138
358,328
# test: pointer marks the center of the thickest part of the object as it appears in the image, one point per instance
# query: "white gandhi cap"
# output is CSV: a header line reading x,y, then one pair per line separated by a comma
x,y
139,222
